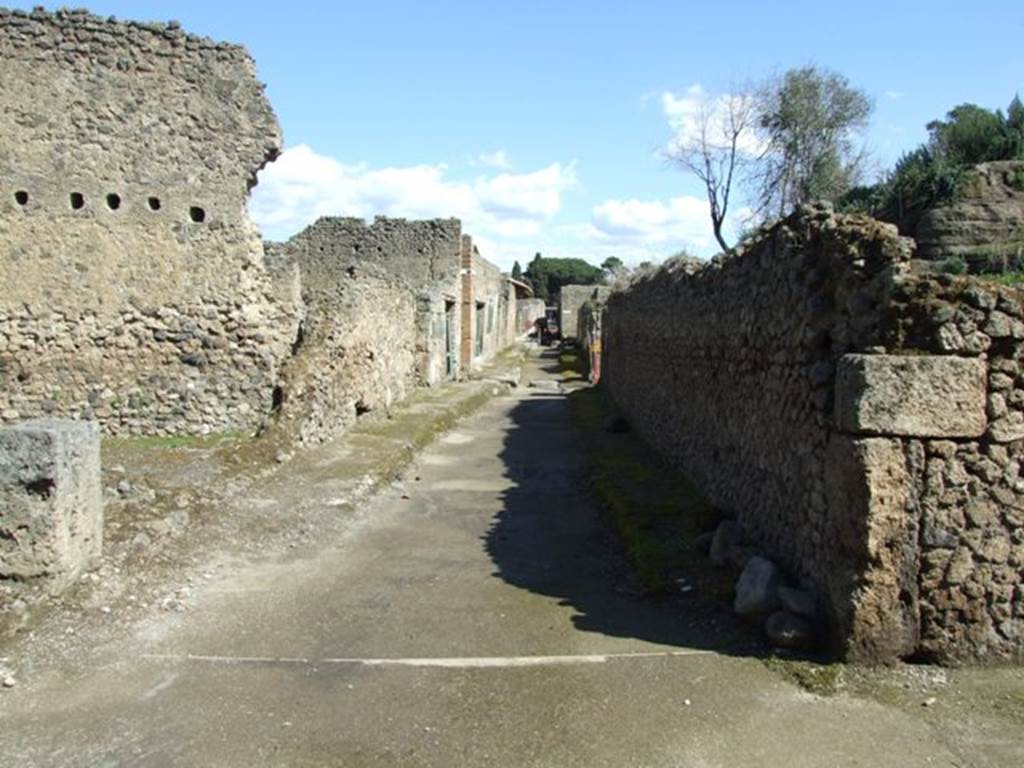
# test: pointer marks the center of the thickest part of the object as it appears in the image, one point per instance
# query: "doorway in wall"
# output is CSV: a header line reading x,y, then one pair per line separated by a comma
x,y
479,321
449,340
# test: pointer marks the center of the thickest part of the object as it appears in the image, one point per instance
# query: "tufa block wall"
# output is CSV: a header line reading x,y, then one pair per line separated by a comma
x,y
865,425
135,291
51,502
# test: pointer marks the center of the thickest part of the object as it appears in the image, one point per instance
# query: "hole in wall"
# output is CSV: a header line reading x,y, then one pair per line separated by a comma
x,y
276,399
42,488
21,197
77,201
153,203
300,339
362,408
113,201
197,214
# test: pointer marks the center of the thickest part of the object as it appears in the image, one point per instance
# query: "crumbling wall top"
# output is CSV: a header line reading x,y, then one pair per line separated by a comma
x,y
417,253
101,107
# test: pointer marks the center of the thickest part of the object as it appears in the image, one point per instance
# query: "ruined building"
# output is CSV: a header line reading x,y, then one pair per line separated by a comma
x,y
386,307
134,289
570,299
136,292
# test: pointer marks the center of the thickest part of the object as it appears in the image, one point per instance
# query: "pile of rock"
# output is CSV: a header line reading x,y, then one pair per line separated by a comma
x,y
764,594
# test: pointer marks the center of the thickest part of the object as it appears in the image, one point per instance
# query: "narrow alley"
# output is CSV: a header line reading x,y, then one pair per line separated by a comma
x,y
472,619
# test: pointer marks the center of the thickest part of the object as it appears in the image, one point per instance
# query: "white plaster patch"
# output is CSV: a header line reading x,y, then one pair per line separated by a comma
x,y
438,460
483,486
460,662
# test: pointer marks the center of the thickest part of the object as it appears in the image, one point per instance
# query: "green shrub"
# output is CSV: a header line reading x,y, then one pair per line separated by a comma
x,y
954,265
935,172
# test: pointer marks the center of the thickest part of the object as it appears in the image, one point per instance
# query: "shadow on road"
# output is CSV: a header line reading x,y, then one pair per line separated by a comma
x,y
551,538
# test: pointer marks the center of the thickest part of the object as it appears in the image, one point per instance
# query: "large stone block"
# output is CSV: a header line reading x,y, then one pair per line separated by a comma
x,y
51,502
872,583
912,396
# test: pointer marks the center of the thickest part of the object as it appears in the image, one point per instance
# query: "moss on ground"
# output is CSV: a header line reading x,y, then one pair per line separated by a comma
x,y
819,679
572,366
658,513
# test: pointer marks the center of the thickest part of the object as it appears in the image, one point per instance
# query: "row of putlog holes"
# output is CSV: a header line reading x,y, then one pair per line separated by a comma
x,y
113,200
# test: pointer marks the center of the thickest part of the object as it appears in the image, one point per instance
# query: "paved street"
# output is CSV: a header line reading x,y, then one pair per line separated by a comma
x,y
471,619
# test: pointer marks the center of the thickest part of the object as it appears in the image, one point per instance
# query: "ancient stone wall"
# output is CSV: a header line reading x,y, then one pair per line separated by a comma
x,y
421,257
528,312
380,317
570,299
51,501
356,352
864,425
134,288
588,334
494,317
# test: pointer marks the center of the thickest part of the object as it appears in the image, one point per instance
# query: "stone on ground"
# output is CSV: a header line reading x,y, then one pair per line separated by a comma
x,y
757,591
728,534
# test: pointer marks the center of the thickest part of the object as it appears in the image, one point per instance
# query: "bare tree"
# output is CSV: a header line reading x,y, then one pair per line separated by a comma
x,y
715,146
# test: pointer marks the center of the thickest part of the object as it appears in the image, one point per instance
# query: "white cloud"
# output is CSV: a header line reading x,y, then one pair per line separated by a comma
x,y
894,95
681,221
497,159
686,112
537,195
303,185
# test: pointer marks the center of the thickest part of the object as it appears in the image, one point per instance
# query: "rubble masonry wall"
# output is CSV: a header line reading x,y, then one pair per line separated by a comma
x,y
865,425
134,287
377,300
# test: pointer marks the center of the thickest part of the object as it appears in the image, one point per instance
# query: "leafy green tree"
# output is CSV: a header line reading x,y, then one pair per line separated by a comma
x,y
548,275
535,275
933,173
517,271
969,135
612,266
1015,128
809,121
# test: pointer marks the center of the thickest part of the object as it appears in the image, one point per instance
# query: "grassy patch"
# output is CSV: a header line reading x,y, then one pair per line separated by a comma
x,y
820,679
657,512
572,366
1006,278
420,429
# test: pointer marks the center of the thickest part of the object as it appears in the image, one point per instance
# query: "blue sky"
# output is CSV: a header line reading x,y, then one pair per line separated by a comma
x,y
539,123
